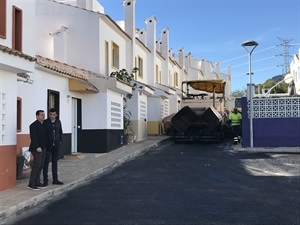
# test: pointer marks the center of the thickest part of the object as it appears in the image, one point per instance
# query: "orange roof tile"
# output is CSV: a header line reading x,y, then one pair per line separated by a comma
x,y
68,70
16,53
61,67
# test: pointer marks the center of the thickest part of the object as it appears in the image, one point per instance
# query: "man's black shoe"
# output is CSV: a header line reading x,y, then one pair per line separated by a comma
x,y
45,183
40,185
57,182
33,187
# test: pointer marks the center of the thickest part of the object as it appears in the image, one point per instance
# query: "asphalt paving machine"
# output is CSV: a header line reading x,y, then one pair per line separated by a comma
x,y
202,122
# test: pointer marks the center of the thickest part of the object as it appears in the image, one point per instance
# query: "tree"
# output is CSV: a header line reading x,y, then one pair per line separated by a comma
x,y
239,92
280,88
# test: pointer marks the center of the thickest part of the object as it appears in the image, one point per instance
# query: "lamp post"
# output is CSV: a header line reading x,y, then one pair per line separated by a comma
x,y
250,46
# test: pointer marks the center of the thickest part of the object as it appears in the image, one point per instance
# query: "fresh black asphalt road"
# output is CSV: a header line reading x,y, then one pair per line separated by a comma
x,y
204,183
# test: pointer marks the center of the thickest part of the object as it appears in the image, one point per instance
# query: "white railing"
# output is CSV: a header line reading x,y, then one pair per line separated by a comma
x,y
284,107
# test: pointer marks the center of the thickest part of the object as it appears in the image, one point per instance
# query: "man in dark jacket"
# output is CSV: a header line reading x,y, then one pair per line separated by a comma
x,y
54,129
39,141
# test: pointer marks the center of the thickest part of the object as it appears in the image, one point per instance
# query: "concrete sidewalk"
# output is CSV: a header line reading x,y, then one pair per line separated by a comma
x,y
73,171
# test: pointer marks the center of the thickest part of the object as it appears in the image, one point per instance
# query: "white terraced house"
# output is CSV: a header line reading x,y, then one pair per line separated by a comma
x,y
61,54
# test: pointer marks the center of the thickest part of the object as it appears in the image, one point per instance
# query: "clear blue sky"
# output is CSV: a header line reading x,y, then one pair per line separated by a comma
x,y
215,30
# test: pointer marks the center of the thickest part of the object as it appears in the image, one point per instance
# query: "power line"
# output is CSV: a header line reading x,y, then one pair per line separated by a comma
x,y
285,55
240,74
285,45
228,60
242,64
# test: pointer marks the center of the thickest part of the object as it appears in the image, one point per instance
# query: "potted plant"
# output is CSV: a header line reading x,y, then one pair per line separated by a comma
x,y
126,77
20,164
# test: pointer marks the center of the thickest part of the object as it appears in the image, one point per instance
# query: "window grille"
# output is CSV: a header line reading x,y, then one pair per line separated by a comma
x,y
143,110
115,115
275,107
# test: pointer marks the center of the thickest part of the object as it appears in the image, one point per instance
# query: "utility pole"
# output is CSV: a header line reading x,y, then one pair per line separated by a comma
x,y
285,55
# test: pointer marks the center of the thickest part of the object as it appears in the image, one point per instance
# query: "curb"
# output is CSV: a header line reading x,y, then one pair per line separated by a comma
x,y
239,148
9,212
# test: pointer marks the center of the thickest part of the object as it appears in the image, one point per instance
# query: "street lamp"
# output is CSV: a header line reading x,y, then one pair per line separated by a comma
x,y
250,46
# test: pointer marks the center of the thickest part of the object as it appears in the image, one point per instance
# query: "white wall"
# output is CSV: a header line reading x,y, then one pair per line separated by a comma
x,y
8,108
112,35
86,35
174,105
295,71
34,97
159,61
142,53
96,110
153,113
10,65
174,68
93,5
95,106
133,105
82,33
94,114
28,41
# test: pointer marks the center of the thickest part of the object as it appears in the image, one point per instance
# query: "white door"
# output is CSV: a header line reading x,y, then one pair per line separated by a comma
x,y
74,126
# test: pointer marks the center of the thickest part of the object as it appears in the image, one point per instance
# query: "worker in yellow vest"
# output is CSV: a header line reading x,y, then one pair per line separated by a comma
x,y
235,119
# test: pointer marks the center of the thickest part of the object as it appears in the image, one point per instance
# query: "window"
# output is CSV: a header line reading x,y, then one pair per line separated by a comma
x,y
115,55
19,114
175,79
140,66
3,19
159,77
17,29
156,73
106,58
53,101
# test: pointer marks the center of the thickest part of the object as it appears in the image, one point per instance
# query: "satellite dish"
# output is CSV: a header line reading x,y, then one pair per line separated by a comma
x,y
288,78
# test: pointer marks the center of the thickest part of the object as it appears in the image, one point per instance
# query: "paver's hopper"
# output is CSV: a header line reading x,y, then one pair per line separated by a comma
x,y
204,123
210,86
183,119
197,127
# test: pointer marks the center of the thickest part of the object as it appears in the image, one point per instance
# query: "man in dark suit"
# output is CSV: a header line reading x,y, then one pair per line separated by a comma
x,y
39,141
54,129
